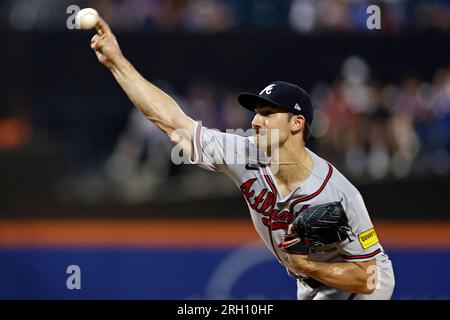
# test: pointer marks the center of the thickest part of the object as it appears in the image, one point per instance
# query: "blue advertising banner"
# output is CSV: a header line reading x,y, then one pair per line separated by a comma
x,y
246,272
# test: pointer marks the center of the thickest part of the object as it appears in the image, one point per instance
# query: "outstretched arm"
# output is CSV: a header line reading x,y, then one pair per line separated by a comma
x,y
154,104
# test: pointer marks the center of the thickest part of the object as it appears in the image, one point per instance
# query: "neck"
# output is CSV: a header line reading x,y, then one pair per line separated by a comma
x,y
294,164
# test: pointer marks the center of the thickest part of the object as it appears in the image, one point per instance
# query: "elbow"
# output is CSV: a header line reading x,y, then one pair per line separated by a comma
x,y
367,277
366,285
168,124
365,289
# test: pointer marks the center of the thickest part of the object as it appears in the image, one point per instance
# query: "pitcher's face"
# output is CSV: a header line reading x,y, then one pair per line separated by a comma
x,y
272,127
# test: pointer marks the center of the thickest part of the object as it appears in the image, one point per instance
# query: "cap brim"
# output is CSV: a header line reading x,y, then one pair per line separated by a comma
x,y
250,101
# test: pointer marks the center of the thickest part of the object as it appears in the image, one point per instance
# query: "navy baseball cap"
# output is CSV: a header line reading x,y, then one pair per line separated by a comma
x,y
280,94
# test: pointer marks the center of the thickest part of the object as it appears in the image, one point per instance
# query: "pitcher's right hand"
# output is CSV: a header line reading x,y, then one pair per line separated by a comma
x,y
105,45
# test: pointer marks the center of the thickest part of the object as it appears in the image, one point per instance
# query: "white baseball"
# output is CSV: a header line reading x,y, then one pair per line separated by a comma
x,y
86,18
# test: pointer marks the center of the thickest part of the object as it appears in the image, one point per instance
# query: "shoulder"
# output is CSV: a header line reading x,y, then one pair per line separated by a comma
x,y
337,182
340,182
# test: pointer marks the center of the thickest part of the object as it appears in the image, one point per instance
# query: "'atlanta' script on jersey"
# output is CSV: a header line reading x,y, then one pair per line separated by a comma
x,y
264,204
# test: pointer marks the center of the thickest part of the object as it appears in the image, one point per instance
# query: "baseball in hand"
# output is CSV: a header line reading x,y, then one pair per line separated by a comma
x,y
86,18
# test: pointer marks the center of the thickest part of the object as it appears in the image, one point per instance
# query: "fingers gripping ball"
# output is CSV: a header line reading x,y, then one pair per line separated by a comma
x,y
86,18
317,226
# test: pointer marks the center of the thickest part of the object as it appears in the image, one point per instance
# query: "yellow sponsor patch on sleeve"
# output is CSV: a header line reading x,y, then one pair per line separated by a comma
x,y
368,238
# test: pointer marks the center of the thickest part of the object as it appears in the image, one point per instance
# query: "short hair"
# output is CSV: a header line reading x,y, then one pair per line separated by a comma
x,y
306,132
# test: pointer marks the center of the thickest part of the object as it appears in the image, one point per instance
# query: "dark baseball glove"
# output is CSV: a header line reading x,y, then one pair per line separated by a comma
x,y
317,226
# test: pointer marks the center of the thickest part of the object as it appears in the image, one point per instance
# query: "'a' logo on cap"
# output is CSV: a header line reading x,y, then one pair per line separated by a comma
x,y
268,89
297,107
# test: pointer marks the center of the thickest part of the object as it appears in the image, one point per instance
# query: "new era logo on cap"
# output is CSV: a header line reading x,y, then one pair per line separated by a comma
x,y
280,94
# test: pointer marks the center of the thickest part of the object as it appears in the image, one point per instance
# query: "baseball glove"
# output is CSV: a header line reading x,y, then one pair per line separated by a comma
x,y
317,226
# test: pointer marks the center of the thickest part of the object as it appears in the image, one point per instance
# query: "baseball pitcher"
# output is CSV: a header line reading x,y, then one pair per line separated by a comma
x,y
306,212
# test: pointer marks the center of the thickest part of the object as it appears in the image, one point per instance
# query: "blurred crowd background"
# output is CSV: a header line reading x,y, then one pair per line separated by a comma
x,y
372,123
210,16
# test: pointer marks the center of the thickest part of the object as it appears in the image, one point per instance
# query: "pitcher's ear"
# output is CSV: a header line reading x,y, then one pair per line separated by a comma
x,y
299,121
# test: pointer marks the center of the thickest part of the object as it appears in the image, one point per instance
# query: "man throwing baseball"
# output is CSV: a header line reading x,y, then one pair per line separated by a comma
x,y
306,212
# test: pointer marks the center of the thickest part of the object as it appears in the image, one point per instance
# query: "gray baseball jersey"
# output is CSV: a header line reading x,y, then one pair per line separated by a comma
x,y
272,213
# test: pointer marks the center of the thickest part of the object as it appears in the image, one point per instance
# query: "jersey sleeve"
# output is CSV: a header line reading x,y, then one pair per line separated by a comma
x,y
215,150
363,244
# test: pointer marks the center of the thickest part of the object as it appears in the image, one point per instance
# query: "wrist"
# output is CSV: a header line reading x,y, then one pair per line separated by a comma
x,y
120,66
119,62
